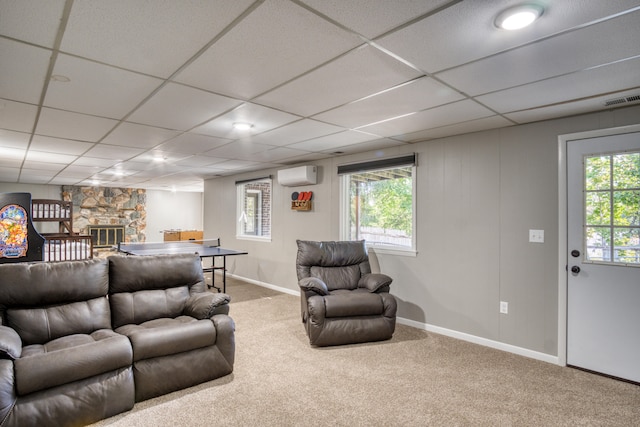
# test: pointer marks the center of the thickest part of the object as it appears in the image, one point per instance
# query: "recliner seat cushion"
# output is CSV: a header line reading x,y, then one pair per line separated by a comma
x,y
163,337
349,304
71,358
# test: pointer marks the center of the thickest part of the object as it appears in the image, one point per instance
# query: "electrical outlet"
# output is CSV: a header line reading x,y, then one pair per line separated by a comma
x,y
504,307
536,236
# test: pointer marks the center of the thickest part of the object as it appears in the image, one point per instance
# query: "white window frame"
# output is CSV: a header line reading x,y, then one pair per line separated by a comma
x,y
241,192
345,206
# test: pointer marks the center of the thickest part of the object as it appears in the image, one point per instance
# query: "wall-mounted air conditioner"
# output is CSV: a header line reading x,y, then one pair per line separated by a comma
x,y
301,175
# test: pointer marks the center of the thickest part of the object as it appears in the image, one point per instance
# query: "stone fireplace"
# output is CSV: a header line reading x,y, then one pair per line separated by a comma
x,y
104,210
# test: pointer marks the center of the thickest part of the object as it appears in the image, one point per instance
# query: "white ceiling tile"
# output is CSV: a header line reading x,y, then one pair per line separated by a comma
x,y
580,106
231,165
96,88
151,38
465,31
34,21
294,132
339,82
277,154
79,171
485,123
64,124
372,18
414,96
440,116
105,151
17,115
379,144
334,141
181,108
28,62
45,166
574,51
261,118
238,149
63,180
566,88
190,143
57,145
10,154
195,162
37,176
138,136
43,156
10,139
276,42
95,162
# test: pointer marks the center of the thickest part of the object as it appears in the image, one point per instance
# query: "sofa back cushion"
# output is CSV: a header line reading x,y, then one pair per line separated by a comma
x,y
143,288
45,301
339,264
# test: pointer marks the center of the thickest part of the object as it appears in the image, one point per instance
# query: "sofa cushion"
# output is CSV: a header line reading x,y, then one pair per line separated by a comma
x,y
342,304
71,358
39,325
162,337
142,306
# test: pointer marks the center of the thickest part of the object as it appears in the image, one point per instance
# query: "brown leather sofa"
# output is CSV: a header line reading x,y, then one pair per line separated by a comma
x,y
343,302
84,340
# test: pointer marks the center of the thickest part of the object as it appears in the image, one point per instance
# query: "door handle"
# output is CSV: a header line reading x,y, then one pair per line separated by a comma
x,y
575,269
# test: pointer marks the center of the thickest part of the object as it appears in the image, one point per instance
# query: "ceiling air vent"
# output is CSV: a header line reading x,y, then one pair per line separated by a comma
x,y
623,100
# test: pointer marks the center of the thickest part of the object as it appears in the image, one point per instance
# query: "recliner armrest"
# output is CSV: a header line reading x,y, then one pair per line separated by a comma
x,y
10,343
313,284
374,281
207,304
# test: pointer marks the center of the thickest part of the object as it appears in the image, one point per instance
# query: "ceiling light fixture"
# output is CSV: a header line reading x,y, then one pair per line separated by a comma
x,y
519,17
242,126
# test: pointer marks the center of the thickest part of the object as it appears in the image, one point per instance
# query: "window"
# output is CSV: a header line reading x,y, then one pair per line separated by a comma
x,y
612,208
254,209
378,203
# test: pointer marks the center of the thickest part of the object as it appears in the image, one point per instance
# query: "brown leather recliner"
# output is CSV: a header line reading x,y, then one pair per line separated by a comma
x,y
60,361
180,333
342,301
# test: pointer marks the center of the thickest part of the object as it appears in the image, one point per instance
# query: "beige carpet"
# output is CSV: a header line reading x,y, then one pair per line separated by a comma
x,y
415,379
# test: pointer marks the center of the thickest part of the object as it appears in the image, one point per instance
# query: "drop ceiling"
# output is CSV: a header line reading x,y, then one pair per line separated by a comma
x,y
144,93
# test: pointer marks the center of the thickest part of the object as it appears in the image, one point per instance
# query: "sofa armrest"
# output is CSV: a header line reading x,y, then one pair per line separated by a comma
x,y
313,284
374,281
10,343
205,305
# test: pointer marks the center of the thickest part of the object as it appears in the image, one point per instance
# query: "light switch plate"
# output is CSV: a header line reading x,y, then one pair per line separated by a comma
x,y
536,236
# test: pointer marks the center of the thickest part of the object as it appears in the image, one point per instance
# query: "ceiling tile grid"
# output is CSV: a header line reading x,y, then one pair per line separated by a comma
x,y
146,92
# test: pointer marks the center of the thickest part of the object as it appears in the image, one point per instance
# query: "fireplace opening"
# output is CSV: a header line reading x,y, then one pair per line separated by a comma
x,y
106,236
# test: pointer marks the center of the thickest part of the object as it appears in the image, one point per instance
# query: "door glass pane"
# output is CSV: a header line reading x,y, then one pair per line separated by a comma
x,y
598,243
597,173
598,207
626,170
626,208
627,245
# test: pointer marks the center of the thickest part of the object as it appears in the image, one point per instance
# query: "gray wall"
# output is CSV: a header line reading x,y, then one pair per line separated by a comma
x,y
477,197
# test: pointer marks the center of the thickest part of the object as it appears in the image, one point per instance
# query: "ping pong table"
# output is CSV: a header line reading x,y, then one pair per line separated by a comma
x,y
203,248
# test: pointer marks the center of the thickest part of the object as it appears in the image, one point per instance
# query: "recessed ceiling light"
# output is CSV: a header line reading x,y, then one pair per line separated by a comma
x,y
519,17
242,126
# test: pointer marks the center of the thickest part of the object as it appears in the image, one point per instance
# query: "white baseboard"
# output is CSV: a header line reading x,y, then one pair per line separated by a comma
x,y
436,329
266,285
481,341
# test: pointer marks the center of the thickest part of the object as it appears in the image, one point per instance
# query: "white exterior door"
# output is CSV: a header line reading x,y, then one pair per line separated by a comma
x,y
603,282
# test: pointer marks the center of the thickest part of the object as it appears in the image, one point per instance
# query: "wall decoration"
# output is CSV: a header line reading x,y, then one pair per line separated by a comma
x,y
301,201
